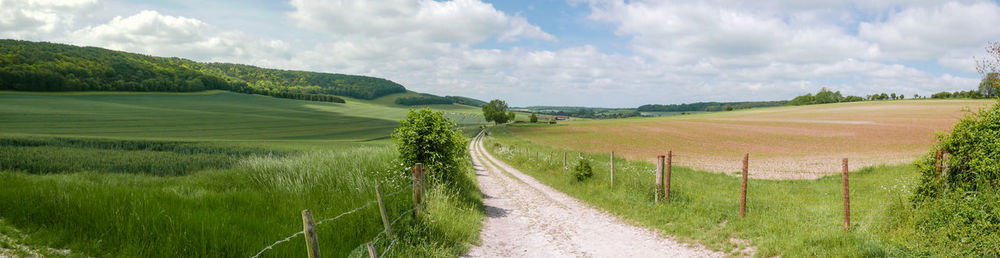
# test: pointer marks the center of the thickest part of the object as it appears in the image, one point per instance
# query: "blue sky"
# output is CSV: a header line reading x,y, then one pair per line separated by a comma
x,y
551,52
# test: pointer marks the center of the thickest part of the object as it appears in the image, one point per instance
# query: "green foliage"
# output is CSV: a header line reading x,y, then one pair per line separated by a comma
x,y
807,99
585,112
274,80
959,214
424,99
827,96
511,116
467,101
822,97
974,162
427,137
533,118
39,66
972,94
582,170
496,112
429,99
952,224
708,106
989,87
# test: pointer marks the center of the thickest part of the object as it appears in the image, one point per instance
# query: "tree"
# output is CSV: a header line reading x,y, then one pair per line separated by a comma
x,y
496,112
511,115
727,107
427,137
534,118
989,68
826,96
990,85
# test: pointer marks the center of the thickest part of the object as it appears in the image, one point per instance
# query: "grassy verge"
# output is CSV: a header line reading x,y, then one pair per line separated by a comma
x,y
239,210
789,218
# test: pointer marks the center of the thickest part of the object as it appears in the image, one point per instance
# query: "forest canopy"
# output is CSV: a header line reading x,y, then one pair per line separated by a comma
x,y
41,66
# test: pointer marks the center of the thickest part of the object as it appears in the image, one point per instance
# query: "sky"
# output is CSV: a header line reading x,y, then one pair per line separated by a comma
x,y
597,53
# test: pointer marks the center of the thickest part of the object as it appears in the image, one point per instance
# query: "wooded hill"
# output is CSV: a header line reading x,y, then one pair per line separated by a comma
x,y
41,66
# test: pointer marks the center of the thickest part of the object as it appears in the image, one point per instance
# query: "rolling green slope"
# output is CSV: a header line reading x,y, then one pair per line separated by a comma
x,y
214,116
214,174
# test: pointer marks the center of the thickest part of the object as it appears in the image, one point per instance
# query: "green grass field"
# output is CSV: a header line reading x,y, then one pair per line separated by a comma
x,y
214,174
793,218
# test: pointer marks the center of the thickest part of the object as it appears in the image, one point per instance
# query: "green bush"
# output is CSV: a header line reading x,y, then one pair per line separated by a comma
x,y
427,137
959,214
974,162
582,170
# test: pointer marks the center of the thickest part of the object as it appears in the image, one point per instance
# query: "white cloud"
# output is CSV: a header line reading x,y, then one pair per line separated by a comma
x,y
716,50
150,32
922,33
33,18
416,21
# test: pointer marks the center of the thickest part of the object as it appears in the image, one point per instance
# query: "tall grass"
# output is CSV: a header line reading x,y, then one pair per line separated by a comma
x,y
788,218
235,211
38,155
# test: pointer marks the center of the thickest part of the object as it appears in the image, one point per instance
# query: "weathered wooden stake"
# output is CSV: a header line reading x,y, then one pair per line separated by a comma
x,y
418,187
944,163
612,169
847,200
381,209
564,161
309,229
937,162
666,184
371,250
659,178
743,187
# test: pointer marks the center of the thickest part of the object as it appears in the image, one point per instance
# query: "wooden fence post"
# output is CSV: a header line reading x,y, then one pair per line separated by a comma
x,y
381,209
371,250
418,188
944,163
666,178
847,200
612,169
743,187
309,229
937,162
564,161
659,178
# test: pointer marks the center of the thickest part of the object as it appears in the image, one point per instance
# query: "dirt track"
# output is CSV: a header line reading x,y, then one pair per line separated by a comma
x,y
529,219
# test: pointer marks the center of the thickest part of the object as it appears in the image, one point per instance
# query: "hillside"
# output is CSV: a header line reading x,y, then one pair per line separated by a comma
x,y
40,66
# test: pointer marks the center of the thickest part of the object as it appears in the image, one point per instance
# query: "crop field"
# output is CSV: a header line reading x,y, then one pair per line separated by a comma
x,y
213,174
783,142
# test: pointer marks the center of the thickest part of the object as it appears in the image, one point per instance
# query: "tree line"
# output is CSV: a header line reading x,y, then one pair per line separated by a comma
x,y
42,66
429,99
709,106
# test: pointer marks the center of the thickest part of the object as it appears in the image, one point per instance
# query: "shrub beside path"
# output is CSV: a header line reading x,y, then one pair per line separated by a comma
x,y
529,219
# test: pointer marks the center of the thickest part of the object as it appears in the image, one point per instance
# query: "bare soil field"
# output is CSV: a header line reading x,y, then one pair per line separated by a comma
x,y
784,143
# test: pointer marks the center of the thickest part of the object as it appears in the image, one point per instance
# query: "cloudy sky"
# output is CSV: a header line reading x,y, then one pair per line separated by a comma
x,y
555,52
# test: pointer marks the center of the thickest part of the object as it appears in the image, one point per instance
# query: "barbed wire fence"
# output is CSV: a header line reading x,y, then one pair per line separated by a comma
x,y
811,196
309,224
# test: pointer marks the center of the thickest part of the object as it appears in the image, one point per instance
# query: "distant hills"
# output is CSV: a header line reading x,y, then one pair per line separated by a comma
x,y
42,66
